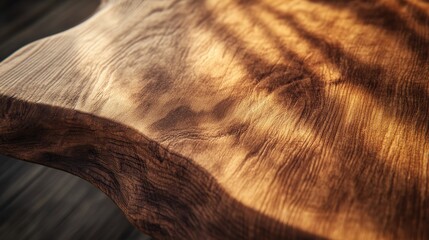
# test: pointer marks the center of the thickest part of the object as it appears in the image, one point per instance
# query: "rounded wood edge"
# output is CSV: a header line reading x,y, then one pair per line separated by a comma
x,y
162,193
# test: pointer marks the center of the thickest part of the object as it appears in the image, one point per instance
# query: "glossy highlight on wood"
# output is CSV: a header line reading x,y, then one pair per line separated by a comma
x,y
236,119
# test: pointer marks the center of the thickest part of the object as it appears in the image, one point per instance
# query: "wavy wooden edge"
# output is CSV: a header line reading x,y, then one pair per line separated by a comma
x,y
162,193
315,130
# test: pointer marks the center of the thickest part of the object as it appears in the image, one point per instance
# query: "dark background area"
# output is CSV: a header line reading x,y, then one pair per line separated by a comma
x,y
38,202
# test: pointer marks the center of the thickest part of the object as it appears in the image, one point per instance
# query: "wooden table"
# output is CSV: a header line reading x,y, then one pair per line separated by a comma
x,y
236,119
38,202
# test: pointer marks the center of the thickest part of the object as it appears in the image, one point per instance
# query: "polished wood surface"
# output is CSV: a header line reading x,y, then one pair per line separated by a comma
x,y
38,202
236,119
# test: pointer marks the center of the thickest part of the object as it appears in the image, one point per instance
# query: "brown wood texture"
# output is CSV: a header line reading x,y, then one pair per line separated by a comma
x,y
236,119
37,202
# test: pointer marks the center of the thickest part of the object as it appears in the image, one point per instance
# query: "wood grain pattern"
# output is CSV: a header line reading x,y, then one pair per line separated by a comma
x,y
38,202
236,119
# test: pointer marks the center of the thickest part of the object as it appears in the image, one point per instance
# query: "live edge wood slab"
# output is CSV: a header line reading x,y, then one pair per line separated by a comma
x,y
236,119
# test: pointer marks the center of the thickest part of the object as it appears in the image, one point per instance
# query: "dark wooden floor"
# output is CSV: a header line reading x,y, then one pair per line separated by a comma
x,y
37,202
